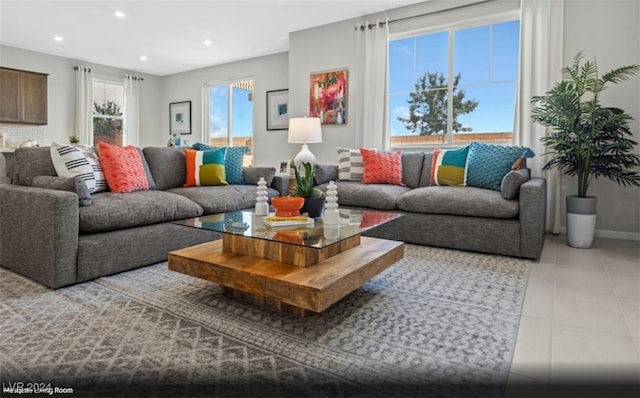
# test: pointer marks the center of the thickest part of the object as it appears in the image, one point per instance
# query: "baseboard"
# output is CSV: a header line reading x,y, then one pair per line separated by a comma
x,y
603,233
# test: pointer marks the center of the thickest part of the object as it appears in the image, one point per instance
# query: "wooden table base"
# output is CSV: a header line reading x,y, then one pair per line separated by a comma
x,y
299,290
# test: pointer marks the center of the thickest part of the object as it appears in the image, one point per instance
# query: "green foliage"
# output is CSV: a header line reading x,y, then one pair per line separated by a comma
x,y
304,183
586,139
107,127
73,139
428,105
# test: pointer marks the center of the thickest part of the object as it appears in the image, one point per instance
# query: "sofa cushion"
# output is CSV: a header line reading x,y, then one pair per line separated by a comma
x,y
205,167
31,162
98,172
70,161
123,168
381,167
251,175
112,211
220,199
425,174
325,173
448,166
487,164
411,168
374,196
460,201
168,166
233,161
350,165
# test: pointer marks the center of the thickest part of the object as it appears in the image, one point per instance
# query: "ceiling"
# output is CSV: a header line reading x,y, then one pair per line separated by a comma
x,y
169,33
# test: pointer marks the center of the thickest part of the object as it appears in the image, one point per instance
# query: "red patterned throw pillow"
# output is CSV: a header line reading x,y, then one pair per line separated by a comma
x,y
123,168
381,167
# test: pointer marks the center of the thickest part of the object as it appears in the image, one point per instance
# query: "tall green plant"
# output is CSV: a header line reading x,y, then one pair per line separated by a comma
x,y
586,139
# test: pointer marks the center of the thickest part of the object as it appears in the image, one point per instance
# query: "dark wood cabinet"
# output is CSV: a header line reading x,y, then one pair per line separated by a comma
x,y
23,97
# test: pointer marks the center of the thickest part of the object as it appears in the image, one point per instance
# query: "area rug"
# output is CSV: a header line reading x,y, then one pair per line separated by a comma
x,y
437,323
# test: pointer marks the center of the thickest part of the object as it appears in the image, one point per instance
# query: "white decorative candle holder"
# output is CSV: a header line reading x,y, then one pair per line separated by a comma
x,y
331,215
262,207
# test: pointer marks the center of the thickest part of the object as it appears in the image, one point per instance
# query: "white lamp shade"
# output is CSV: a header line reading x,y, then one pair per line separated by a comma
x,y
304,130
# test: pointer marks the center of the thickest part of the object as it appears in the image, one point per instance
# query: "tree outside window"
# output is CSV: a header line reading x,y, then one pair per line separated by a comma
x,y
108,99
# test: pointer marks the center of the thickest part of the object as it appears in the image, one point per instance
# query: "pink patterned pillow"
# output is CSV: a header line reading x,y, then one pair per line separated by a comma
x,y
381,167
123,168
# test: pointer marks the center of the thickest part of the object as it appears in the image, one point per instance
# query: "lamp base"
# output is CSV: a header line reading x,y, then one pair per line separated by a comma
x,y
304,156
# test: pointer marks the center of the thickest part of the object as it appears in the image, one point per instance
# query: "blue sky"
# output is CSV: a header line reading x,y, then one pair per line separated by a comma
x,y
242,112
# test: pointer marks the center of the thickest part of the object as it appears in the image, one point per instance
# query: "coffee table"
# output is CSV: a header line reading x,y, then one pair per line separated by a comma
x,y
299,270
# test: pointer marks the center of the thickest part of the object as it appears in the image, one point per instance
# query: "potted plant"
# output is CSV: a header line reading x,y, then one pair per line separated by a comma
x,y
73,139
314,199
587,139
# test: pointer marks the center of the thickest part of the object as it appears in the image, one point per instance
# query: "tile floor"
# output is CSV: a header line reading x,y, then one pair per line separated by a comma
x,y
580,320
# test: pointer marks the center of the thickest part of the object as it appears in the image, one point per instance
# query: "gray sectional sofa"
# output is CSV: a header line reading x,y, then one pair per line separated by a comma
x,y
46,235
53,237
465,218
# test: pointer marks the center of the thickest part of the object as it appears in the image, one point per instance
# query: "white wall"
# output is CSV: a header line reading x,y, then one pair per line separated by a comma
x,y
268,73
608,31
61,91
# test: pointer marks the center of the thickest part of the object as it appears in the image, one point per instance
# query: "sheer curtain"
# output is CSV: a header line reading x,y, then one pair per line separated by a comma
x,y
131,124
84,105
541,58
371,127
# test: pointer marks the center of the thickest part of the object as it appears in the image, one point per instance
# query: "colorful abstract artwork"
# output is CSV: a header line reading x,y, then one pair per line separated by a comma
x,y
328,97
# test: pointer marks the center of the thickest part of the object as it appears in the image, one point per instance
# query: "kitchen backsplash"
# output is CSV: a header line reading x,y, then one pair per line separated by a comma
x,y
15,135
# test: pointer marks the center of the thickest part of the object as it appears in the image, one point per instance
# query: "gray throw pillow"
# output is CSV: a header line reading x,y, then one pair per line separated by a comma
x,y
252,175
71,184
510,186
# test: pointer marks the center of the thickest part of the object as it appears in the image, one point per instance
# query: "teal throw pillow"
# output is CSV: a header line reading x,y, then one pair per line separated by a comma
x,y
487,164
233,161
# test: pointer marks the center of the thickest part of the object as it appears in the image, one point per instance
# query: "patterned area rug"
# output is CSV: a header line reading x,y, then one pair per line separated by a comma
x,y
437,323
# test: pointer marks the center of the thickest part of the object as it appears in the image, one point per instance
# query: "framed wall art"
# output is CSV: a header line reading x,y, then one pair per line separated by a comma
x,y
180,117
278,109
328,97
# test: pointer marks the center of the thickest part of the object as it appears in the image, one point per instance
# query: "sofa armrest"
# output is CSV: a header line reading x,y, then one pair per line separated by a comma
x,y
39,231
533,213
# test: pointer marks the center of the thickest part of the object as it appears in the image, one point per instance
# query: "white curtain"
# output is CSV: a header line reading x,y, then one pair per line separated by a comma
x,y
131,114
541,59
371,127
84,105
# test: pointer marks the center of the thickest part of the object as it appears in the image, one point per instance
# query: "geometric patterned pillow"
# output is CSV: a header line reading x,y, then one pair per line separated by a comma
x,y
205,167
382,167
487,164
350,165
448,166
123,168
98,173
233,162
69,161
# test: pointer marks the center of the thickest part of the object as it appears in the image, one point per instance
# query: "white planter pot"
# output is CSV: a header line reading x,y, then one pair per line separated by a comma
x,y
581,221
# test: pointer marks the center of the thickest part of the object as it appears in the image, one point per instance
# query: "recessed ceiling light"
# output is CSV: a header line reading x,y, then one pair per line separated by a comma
x,y
143,58
58,38
119,14
207,42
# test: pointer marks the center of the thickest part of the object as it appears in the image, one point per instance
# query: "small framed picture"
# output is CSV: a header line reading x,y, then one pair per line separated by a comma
x,y
277,110
180,118
283,167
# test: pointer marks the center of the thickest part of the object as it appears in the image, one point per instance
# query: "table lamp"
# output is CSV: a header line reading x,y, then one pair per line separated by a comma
x,y
304,130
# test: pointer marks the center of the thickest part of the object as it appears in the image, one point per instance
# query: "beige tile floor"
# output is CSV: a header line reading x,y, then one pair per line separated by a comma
x,y
580,320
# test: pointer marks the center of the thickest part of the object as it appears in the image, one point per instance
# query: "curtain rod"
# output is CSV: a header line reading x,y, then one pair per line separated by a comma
x,y
89,69
381,24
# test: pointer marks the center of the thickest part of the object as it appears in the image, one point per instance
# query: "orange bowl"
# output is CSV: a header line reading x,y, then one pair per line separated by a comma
x,y
287,206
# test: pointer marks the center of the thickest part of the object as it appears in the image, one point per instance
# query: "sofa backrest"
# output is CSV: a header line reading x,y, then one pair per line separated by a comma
x,y
425,174
31,162
168,166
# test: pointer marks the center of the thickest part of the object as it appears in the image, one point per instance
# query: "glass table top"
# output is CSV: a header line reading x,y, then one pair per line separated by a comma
x,y
246,223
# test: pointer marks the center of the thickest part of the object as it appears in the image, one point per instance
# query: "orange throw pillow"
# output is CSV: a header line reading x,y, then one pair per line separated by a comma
x,y
123,168
381,167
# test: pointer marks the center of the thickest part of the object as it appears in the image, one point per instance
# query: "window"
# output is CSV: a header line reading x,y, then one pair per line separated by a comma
x,y
108,98
454,85
230,115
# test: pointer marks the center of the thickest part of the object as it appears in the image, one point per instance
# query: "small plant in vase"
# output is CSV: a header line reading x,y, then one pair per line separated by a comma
x,y
304,187
73,139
